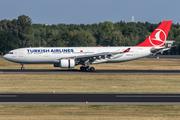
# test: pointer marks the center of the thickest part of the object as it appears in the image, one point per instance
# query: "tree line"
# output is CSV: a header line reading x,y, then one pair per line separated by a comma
x,y
21,32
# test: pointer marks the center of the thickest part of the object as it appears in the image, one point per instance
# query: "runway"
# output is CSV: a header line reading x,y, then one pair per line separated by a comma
x,y
90,99
165,56
74,71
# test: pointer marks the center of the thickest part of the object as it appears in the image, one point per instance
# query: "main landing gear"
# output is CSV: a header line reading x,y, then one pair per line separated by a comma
x,y
22,68
87,68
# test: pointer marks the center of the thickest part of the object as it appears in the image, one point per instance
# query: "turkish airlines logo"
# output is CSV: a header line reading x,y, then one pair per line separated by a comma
x,y
158,38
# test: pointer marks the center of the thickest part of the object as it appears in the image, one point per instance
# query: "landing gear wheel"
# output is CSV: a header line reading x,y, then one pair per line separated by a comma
x,y
82,68
22,68
86,68
92,69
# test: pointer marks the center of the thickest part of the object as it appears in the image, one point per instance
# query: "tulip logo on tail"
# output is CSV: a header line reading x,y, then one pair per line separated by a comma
x,y
158,38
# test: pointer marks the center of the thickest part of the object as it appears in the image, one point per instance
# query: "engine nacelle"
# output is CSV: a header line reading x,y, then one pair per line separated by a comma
x,y
67,63
56,65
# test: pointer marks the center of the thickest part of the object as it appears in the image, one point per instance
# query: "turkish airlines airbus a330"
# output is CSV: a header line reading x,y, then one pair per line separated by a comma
x,y
68,57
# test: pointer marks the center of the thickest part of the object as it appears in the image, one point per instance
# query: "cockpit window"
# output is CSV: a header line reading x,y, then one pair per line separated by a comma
x,y
10,52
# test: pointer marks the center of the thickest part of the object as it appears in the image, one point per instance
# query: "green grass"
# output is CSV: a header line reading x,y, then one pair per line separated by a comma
x,y
90,112
89,83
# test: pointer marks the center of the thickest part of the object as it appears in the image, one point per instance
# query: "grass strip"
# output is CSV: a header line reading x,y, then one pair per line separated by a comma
x,y
89,112
89,83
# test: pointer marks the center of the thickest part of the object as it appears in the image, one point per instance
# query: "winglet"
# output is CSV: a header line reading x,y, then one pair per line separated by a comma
x,y
127,50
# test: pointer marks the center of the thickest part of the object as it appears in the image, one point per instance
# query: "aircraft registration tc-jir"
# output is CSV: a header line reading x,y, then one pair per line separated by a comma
x,y
69,57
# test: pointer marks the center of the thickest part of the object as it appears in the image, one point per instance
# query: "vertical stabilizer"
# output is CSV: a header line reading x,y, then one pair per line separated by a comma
x,y
158,36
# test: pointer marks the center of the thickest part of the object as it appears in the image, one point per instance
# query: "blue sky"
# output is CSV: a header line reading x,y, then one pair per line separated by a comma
x,y
91,11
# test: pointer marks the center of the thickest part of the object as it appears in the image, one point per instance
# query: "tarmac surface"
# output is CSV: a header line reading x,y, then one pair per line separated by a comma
x,y
74,71
89,99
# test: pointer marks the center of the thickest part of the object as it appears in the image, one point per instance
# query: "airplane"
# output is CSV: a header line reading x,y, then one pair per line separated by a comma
x,y
69,57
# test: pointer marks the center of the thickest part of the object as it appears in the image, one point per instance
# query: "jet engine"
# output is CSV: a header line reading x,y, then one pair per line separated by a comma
x,y
67,63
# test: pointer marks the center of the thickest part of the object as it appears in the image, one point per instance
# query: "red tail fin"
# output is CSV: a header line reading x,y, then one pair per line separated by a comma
x,y
158,36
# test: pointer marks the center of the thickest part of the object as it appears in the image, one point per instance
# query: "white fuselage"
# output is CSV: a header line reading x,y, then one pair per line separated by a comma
x,y
54,54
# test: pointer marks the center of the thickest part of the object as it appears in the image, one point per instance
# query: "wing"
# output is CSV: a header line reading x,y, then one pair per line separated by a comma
x,y
93,57
99,55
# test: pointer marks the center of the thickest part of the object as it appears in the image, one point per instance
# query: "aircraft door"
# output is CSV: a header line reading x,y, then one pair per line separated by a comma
x,y
20,53
135,51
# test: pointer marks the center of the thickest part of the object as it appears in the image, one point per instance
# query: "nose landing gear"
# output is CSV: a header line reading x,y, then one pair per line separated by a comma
x,y
22,68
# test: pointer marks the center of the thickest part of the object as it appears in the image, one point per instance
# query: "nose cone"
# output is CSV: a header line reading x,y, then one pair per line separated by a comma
x,y
5,56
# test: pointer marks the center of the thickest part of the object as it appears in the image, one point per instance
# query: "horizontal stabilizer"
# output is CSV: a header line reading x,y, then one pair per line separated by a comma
x,y
157,50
